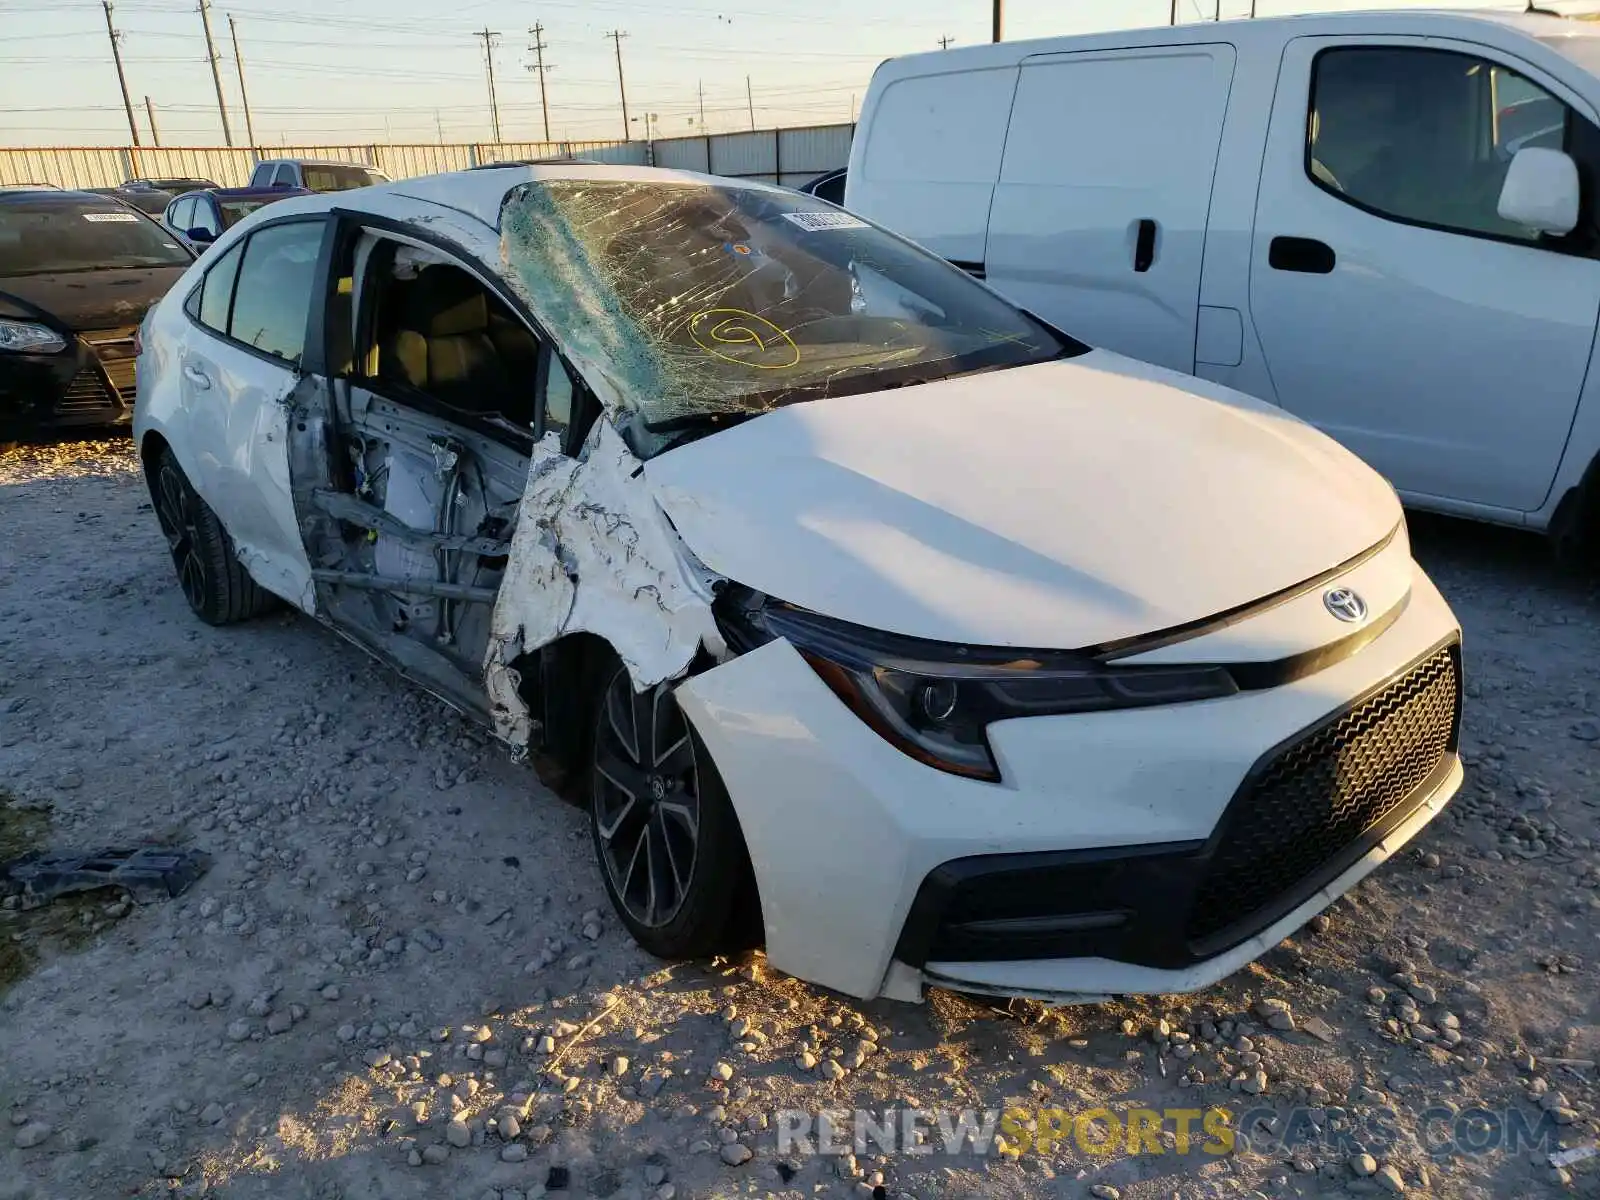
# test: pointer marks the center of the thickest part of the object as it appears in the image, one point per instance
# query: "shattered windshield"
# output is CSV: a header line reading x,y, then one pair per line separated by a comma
x,y
692,303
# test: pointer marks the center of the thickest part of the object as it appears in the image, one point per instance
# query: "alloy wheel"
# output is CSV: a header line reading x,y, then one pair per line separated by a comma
x,y
175,509
646,799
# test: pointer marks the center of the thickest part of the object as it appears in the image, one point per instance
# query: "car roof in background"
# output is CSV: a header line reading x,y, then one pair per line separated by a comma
x,y
245,193
321,162
63,197
481,193
478,195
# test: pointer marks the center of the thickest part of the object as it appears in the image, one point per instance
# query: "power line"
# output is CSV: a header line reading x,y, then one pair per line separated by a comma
x,y
216,72
122,80
244,95
488,35
538,48
616,36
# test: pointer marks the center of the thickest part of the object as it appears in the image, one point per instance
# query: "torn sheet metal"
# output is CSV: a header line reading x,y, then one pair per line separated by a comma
x,y
594,553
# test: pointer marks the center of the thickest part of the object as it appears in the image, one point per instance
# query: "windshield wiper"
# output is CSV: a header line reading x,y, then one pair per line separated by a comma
x,y
691,427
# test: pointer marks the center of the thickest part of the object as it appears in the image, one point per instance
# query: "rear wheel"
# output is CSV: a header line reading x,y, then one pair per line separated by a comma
x,y
670,849
214,582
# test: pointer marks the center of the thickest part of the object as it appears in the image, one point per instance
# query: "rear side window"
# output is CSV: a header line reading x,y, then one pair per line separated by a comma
x,y
273,298
262,175
216,292
1426,136
285,176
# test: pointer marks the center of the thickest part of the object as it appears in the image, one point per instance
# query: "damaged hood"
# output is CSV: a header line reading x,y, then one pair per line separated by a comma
x,y
1055,506
86,300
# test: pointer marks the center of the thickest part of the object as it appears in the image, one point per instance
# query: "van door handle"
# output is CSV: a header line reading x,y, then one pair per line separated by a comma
x,y
1144,247
197,377
1305,255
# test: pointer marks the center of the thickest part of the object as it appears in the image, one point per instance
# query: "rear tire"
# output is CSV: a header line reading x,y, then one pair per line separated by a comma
x,y
214,582
670,850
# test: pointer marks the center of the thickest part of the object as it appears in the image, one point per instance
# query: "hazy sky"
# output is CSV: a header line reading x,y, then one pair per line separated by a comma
x,y
411,70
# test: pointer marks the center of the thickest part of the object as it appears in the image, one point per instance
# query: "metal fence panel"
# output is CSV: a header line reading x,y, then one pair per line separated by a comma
x,y
684,154
741,155
407,162
366,155
65,166
812,151
795,155
228,166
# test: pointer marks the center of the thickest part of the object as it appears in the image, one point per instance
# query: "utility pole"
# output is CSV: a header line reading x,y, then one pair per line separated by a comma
x,y
538,47
122,82
998,4
944,42
1173,17
750,103
216,73
616,36
238,63
700,90
438,126
150,111
488,35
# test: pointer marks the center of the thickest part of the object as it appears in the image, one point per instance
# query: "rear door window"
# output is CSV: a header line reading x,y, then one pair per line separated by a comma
x,y
216,291
272,301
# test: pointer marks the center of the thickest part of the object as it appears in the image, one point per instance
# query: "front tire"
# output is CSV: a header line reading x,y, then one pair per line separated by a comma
x,y
214,582
668,842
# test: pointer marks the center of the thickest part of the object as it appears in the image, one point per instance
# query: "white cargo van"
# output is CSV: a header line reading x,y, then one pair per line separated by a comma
x,y
1385,223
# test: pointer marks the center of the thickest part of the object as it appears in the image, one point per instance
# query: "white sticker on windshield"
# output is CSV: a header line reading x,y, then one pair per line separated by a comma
x,y
102,218
816,222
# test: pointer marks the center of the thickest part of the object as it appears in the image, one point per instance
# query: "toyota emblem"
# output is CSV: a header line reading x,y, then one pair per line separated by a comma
x,y
1344,604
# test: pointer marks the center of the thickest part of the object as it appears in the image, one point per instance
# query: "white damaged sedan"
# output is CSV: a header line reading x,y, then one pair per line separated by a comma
x,y
871,618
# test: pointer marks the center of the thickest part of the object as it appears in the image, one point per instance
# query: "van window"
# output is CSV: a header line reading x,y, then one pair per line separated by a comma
x,y
1425,136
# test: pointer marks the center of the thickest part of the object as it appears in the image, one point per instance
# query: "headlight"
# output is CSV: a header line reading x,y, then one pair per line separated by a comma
x,y
24,337
935,701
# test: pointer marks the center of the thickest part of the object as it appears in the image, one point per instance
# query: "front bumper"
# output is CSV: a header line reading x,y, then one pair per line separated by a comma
x,y
89,383
1108,824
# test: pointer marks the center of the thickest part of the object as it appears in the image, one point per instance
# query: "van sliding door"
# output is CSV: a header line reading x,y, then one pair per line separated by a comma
x,y
1099,220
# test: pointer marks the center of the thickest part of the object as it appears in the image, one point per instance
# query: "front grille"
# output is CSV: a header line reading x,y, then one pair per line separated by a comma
x,y
86,393
114,349
1307,807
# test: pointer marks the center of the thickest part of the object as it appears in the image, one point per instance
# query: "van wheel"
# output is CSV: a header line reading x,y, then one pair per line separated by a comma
x,y
670,849
216,585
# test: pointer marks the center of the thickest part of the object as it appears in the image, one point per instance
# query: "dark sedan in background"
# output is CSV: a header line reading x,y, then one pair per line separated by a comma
x,y
200,217
77,273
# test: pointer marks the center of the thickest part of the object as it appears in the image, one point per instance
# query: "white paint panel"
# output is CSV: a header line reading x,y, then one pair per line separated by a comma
x,y
927,157
1099,143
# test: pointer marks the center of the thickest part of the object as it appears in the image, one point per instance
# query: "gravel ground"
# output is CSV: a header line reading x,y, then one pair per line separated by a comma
x,y
400,977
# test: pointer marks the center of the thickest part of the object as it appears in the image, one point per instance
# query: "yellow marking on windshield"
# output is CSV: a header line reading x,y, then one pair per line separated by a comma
x,y
734,327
